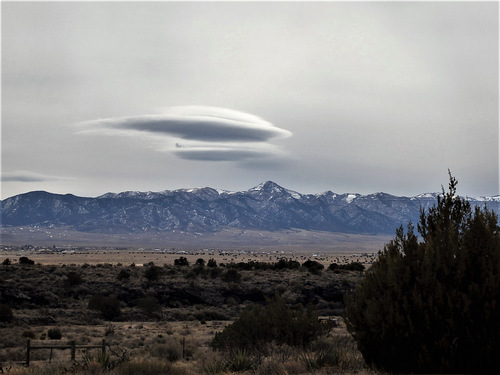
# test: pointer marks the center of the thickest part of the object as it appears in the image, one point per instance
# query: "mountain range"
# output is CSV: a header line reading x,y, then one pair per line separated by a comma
x,y
267,206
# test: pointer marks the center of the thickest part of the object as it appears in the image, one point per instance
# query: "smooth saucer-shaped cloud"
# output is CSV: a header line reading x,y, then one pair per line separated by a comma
x,y
211,133
199,123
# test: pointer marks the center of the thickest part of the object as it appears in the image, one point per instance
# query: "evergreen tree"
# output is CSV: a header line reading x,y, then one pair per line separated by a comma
x,y
434,305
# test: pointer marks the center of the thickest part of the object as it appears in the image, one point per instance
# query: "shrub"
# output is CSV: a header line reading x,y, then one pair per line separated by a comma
x,y
333,267
313,266
6,262
108,306
339,353
73,278
259,325
123,275
182,261
211,263
353,266
152,273
6,314
231,276
28,334
200,262
214,365
286,264
144,366
26,260
215,272
434,306
149,304
240,360
95,363
170,350
54,334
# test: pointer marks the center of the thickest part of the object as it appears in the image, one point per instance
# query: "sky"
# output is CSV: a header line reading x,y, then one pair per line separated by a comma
x,y
352,97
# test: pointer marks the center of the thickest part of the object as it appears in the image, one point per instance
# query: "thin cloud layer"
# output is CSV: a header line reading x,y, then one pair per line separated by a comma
x,y
207,133
28,176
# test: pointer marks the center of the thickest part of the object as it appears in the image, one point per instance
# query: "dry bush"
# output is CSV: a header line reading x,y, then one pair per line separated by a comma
x,y
170,349
41,369
271,366
212,363
147,366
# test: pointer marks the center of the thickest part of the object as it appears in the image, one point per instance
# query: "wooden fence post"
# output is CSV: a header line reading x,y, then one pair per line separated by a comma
x,y
183,347
103,347
28,348
73,349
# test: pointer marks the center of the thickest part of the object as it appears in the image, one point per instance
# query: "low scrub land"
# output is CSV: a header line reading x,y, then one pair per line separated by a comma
x,y
185,317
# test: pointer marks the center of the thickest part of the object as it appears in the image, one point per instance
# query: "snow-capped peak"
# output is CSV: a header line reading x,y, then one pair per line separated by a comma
x,y
274,188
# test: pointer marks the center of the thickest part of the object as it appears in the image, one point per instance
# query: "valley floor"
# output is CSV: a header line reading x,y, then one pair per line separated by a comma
x,y
292,240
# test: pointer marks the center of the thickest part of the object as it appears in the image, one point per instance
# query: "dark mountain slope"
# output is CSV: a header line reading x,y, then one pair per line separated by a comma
x,y
267,206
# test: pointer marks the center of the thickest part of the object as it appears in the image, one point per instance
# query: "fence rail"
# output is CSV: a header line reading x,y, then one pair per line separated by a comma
x,y
71,345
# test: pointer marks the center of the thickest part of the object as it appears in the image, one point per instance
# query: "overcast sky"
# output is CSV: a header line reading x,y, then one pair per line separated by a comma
x,y
355,97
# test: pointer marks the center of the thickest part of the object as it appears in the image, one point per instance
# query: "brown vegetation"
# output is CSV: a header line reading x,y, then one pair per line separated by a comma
x,y
162,318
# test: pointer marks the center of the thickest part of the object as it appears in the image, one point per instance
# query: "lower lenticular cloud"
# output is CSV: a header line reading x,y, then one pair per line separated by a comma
x,y
206,133
227,152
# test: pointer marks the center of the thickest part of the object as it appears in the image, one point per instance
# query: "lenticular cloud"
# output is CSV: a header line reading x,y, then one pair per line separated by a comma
x,y
206,133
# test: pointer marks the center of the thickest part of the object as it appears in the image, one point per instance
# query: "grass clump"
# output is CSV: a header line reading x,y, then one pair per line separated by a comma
x,y
144,366
148,366
171,350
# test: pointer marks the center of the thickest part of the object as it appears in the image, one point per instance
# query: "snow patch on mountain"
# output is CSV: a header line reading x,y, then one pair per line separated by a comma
x,y
350,197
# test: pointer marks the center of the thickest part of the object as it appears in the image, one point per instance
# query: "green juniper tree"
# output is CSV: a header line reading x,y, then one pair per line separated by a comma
x,y
433,304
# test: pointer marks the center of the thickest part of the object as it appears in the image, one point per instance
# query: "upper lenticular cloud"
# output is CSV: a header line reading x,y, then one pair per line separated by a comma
x,y
199,123
207,133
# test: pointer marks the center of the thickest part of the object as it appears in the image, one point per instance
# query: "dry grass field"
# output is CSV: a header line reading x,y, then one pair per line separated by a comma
x,y
141,257
155,348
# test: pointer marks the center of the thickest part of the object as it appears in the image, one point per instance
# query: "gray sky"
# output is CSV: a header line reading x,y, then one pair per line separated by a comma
x,y
343,96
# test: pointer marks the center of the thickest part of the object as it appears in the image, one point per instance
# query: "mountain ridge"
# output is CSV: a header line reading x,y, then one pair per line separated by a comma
x,y
267,206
